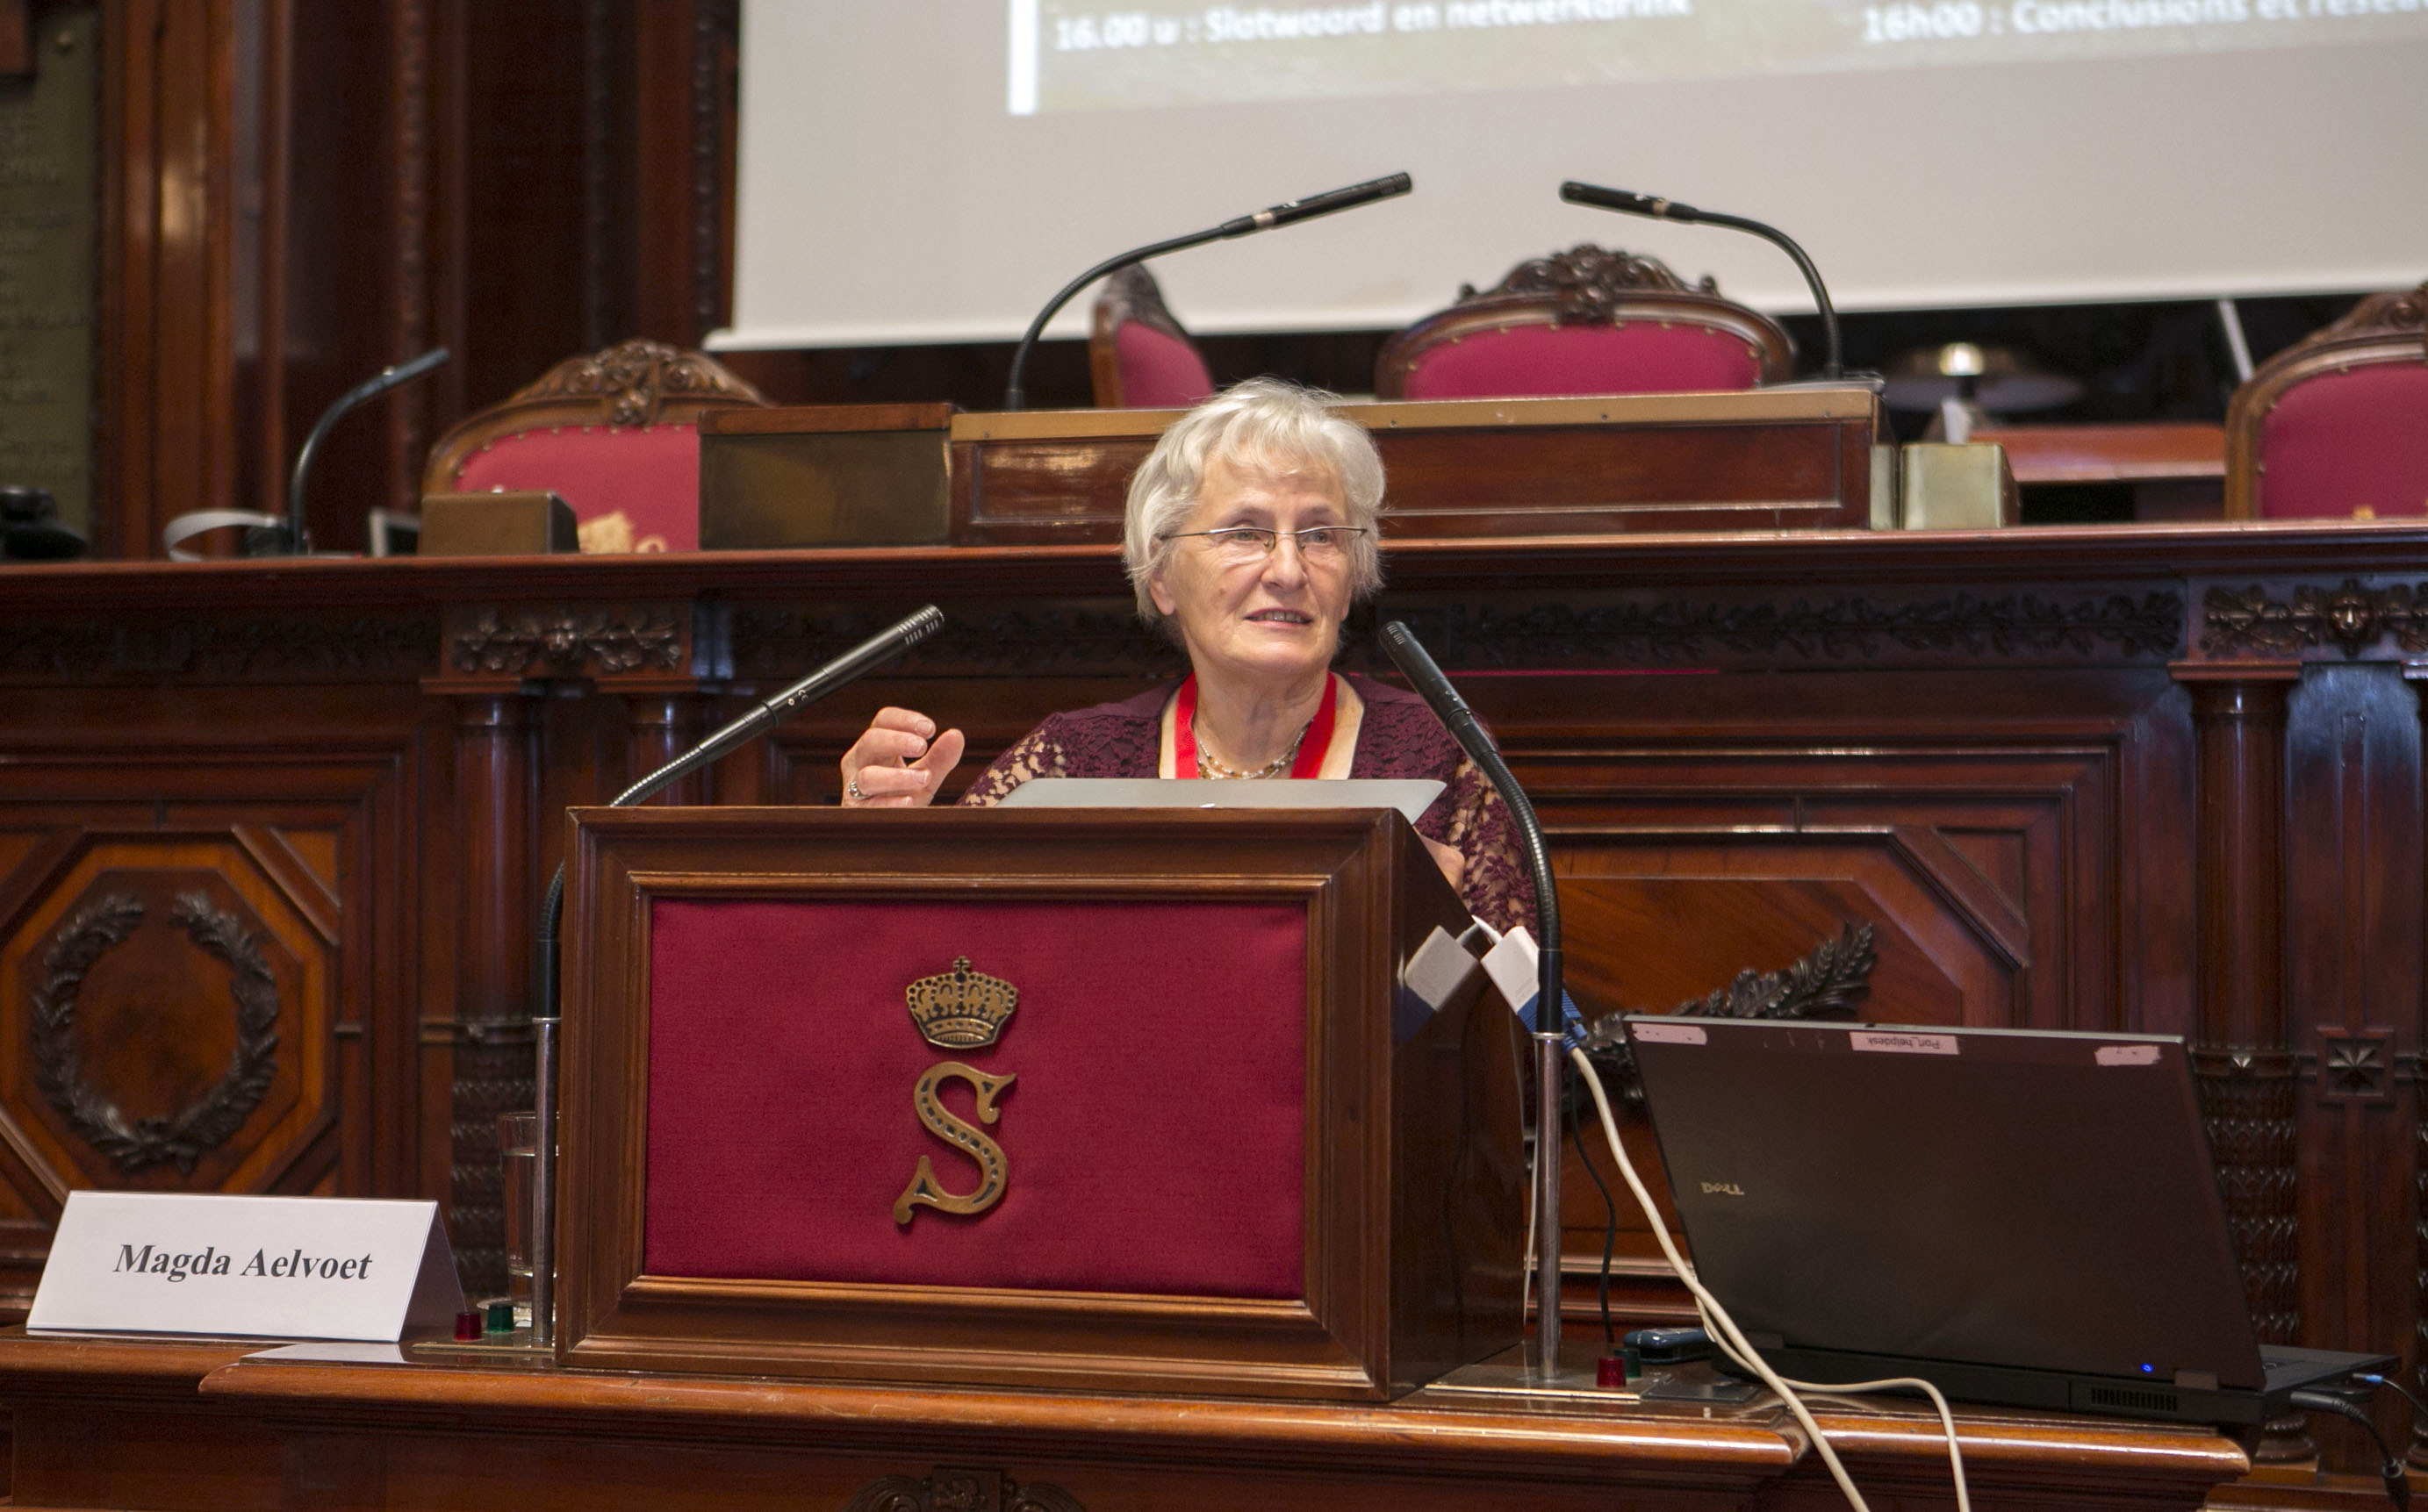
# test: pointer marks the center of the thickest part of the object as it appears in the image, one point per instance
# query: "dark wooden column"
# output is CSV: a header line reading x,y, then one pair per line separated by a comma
x,y
2353,977
2243,1057
496,837
664,725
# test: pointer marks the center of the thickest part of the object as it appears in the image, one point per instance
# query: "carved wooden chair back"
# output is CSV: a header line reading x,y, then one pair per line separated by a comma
x,y
1139,357
2335,426
1585,321
616,434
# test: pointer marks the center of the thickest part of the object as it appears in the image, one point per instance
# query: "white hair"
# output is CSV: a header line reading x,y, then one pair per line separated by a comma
x,y
1263,426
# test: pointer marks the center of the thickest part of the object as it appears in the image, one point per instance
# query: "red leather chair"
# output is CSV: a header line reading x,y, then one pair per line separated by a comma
x,y
1585,321
2335,426
1139,358
615,435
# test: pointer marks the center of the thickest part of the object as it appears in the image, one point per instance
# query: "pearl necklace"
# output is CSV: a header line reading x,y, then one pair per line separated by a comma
x,y
1276,767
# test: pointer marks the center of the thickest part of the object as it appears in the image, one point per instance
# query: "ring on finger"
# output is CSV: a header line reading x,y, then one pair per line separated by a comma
x,y
851,791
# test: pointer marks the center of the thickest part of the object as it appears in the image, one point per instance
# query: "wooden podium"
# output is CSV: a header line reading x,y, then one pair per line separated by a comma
x,y
1238,1114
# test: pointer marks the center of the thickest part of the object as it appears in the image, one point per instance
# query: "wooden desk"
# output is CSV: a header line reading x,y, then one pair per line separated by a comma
x,y
196,1427
2176,470
2142,778
2111,454
892,474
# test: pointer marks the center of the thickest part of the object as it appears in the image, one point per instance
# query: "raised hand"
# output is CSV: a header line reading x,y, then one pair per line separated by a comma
x,y
899,761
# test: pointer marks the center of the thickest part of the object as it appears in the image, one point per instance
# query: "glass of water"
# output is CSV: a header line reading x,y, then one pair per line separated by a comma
x,y
519,1157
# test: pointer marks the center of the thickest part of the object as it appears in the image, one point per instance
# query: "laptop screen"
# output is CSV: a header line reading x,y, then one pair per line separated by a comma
x,y
1993,1196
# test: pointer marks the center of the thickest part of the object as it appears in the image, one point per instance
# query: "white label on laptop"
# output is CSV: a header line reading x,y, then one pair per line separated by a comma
x,y
1902,1043
267,1267
2126,1055
1668,1034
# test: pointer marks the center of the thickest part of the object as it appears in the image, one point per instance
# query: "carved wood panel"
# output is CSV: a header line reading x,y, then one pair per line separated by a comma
x,y
210,951
2354,974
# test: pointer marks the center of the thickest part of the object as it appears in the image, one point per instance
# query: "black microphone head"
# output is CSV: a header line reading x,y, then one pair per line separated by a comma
x,y
1325,204
922,625
1409,655
403,371
1627,202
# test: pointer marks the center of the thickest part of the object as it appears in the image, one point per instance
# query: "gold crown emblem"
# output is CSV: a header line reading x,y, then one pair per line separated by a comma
x,y
961,1009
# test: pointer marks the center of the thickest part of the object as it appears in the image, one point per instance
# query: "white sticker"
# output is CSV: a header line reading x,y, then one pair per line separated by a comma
x,y
1668,1034
2126,1055
1902,1043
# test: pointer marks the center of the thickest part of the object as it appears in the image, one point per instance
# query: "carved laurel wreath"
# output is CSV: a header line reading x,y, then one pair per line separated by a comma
x,y
1826,984
138,1144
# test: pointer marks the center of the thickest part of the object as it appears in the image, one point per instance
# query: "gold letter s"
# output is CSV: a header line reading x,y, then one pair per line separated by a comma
x,y
992,1170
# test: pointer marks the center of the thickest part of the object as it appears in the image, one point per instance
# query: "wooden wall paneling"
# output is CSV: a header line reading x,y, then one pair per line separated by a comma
x,y
169,438
437,264
605,72
2157,898
2354,976
1659,907
417,319
261,98
664,726
2243,1059
16,37
496,899
526,263
265,172
684,77
261,1031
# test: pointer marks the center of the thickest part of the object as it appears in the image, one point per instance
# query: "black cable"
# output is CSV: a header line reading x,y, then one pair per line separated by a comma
x,y
1609,1224
2418,1408
2398,1486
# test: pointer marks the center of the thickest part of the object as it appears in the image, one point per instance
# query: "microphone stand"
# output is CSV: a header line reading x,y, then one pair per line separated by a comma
x,y
298,533
272,535
1549,1043
1016,393
853,665
1626,202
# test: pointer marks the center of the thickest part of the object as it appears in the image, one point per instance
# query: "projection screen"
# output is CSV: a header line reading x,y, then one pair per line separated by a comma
x,y
931,171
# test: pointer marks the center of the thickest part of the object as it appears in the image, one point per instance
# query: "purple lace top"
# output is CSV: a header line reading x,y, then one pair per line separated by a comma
x,y
1397,737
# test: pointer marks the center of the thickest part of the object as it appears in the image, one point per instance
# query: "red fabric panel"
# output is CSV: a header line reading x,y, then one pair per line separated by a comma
x,y
2350,441
651,472
1159,371
1536,362
1155,1135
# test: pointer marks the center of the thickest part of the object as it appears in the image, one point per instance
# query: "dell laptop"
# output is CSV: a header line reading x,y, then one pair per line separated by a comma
x,y
2019,1217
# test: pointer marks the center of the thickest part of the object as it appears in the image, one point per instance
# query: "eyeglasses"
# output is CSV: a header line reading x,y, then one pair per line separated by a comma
x,y
1246,543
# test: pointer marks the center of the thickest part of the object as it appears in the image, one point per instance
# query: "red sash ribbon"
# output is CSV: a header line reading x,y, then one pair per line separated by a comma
x,y
1312,747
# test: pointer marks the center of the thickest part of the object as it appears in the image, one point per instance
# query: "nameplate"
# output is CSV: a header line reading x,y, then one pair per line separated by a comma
x,y
247,1267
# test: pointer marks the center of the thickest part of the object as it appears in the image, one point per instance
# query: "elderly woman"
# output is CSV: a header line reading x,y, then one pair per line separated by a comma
x,y
1251,533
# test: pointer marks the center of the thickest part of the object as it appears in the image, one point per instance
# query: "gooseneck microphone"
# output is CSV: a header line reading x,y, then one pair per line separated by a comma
x,y
269,536
849,667
352,399
1627,202
760,717
1015,395
1550,1047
